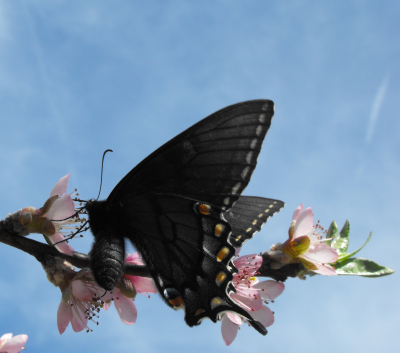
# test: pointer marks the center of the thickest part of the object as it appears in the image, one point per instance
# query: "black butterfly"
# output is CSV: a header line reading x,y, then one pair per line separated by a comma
x,y
181,208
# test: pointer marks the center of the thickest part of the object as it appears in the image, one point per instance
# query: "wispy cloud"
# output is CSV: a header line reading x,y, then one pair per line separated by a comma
x,y
376,107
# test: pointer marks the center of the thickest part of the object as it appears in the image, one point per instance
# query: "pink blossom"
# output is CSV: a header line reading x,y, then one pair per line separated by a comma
x,y
11,344
142,285
306,244
61,209
79,301
250,295
82,299
124,305
51,219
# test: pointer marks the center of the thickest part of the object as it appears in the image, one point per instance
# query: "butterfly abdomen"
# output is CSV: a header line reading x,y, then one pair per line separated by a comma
x,y
107,258
108,250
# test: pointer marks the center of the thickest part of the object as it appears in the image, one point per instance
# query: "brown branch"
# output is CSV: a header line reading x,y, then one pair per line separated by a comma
x,y
41,250
271,267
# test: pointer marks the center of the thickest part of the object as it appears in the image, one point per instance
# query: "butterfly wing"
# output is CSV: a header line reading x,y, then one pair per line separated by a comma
x,y
212,161
170,206
248,215
185,244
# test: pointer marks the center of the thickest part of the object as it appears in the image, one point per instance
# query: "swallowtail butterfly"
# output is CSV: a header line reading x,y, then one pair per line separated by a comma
x,y
182,208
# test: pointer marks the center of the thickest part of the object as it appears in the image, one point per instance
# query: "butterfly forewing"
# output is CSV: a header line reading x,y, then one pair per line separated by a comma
x,y
212,161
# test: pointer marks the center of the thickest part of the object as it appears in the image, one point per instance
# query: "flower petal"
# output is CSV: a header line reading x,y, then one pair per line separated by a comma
x,y
107,305
325,270
79,320
14,344
143,285
269,289
135,259
126,309
63,247
264,315
322,253
5,337
62,208
61,186
80,291
249,303
229,330
250,263
235,318
304,223
297,212
64,316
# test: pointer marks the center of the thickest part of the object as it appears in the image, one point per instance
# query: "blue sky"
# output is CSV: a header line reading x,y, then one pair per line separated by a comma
x,y
79,77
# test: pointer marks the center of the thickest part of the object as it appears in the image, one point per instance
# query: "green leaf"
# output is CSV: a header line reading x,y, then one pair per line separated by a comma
x,y
357,266
332,232
345,256
341,243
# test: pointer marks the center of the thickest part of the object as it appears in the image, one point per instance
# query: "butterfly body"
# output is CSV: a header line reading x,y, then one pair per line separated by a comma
x,y
177,207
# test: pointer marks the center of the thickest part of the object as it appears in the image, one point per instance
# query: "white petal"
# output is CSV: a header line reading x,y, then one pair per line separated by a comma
x,y
63,247
126,309
235,318
304,224
143,285
325,270
253,261
264,315
61,186
62,208
6,336
64,316
81,291
229,330
322,253
297,212
14,344
269,289
79,320
248,303
135,259
107,304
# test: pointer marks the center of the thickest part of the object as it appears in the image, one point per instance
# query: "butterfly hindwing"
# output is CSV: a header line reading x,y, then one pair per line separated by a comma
x,y
248,215
171,207
185,245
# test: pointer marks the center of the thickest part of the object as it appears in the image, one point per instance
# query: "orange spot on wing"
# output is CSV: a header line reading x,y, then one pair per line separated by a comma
x,y
198,312
221,277
218,229
222,254
177,302
204,209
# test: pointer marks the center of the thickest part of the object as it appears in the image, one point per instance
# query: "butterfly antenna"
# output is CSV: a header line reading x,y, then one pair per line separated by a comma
x,y
101,176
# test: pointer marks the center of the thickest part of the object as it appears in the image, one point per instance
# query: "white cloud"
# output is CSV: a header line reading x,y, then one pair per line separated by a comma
x,y
376,107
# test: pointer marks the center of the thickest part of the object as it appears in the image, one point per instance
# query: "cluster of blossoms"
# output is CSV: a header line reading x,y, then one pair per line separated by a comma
x,y
10,344
55,219
306,244
82,298
250,294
